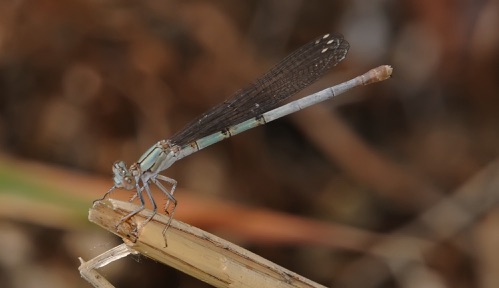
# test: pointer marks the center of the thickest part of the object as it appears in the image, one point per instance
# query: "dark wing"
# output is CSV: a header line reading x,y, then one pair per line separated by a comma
x,y
291,75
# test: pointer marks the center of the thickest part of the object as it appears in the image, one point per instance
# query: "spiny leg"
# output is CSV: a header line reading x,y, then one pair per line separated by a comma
x,y
136,194
154,207
170,198
133,197
140,208
169,194
105,195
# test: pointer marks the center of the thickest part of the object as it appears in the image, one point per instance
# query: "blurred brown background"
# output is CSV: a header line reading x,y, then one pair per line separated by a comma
x,y
390,185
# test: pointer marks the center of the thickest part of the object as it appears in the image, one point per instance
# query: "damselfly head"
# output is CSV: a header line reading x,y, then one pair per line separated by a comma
x,y
122,176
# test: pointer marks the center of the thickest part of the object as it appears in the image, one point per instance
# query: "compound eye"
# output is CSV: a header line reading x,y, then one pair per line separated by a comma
x,y
122,177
